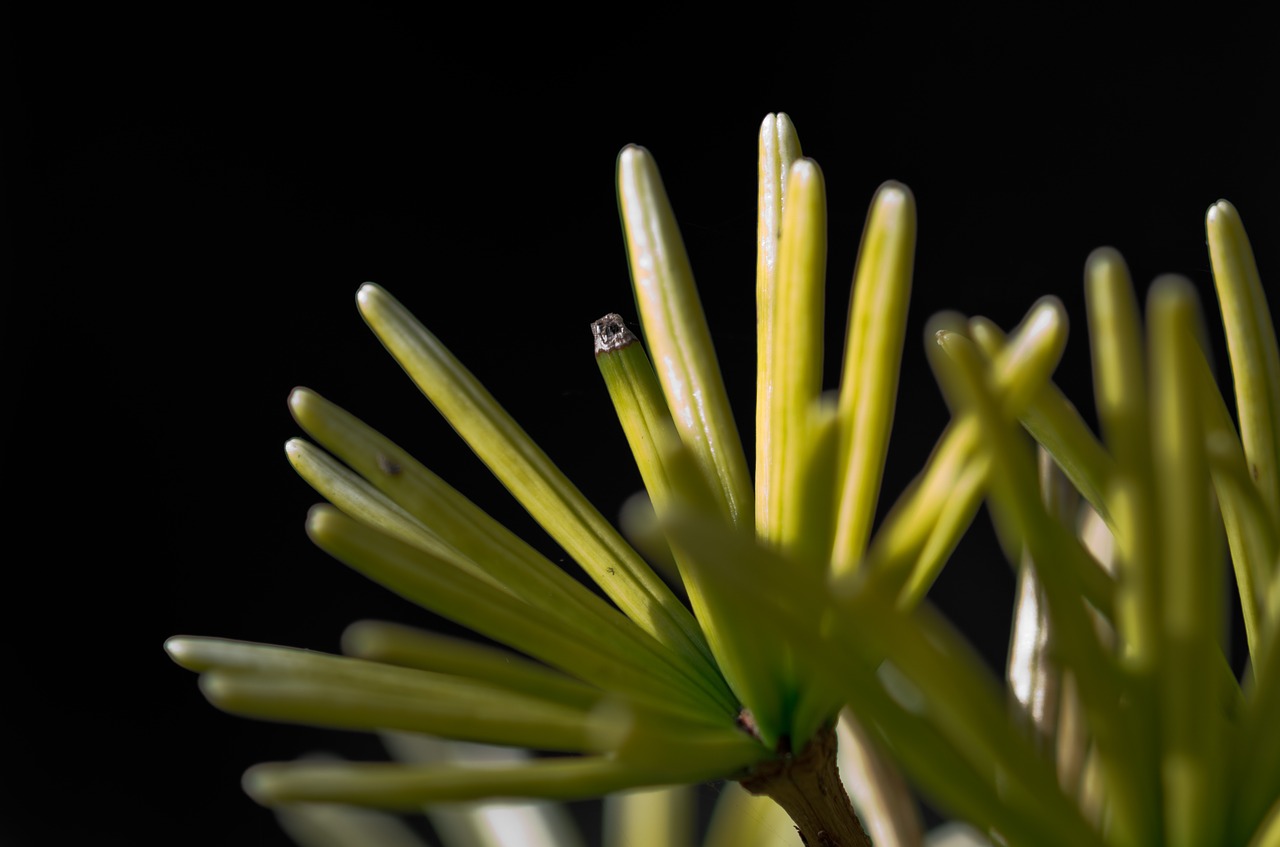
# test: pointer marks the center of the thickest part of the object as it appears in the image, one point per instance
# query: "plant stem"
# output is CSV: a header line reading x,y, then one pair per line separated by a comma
x,y
807,785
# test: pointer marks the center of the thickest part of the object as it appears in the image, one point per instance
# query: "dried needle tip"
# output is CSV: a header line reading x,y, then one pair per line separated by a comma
x,y
611,334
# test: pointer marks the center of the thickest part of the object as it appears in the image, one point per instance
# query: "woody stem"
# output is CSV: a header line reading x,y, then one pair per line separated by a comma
x,y
807,786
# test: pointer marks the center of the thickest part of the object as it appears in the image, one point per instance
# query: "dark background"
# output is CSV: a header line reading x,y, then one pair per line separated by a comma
x,y
191,203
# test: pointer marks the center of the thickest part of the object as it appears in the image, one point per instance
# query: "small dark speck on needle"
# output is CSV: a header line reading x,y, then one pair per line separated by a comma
x,y
388,465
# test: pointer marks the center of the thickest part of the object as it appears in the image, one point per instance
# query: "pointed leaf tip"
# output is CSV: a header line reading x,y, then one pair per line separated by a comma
x,y
299,400
178,647
631,152
258,784
1104,260
1220,209
804,170
372,298
894,193
322,521
293,448
1047,315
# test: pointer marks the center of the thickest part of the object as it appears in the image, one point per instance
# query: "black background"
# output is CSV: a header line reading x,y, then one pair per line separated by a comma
x,y
193,200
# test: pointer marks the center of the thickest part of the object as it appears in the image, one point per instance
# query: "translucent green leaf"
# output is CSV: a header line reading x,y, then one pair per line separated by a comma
x,y
1251,343
537,483
420,578
280,683
676,332
779,147
409,787
1191,713
873,351
795,357
1015,500
457,531
406,646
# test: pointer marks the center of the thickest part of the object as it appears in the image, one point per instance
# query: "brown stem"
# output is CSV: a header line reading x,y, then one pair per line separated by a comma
x,y
807,785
